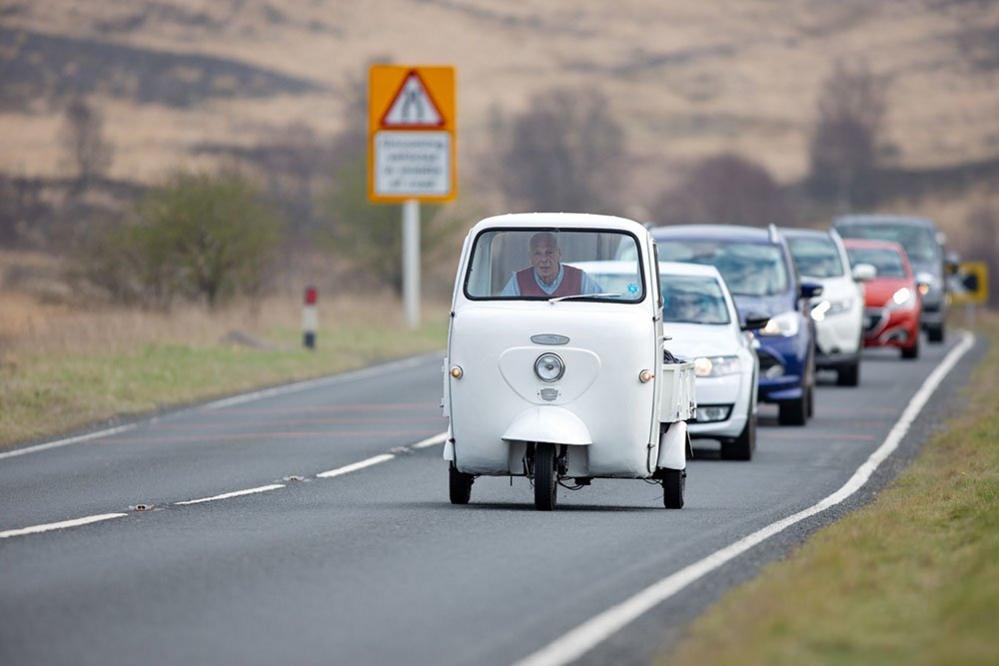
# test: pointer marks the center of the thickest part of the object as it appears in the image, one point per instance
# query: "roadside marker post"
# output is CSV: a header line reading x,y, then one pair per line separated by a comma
x,y
310,318
412,137
970,286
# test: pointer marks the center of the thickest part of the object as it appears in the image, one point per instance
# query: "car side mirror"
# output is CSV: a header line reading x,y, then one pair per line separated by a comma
x,y
810,290
755,322
864,273
952,267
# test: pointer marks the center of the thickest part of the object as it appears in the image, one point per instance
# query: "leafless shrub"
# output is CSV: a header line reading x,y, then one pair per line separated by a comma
x,y
564,153
88,152
848,137
724,189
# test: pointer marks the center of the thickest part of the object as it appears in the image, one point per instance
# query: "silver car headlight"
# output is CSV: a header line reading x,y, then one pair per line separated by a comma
x,y
716,366
786,324
549,367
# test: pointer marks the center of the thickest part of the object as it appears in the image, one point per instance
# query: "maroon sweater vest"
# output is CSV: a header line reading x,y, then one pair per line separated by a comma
x,y
572,283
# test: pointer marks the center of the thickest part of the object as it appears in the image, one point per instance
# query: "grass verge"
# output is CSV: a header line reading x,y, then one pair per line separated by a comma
x,y
63,370
912,578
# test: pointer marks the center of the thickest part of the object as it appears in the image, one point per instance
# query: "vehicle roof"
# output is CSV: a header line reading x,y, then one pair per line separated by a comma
x,y
864,243
711,231
579,220
804,233
866,219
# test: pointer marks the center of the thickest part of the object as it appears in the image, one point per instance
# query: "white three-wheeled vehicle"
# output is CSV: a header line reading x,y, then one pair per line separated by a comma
x,y
553,376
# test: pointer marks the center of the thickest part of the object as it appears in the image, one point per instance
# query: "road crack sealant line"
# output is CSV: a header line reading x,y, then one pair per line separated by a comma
x,y
583,638
339,471
331,380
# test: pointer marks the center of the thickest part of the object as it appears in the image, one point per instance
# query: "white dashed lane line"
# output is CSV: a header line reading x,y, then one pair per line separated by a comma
x,y
328,474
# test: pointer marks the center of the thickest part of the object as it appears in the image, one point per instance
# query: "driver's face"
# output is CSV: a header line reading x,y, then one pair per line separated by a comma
x,y
545,258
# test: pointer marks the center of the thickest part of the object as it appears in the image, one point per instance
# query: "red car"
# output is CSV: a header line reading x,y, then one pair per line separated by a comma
x,y
893,301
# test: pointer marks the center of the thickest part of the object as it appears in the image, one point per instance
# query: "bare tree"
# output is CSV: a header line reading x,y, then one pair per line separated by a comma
x,y
848,136
564,153
87,150
724,189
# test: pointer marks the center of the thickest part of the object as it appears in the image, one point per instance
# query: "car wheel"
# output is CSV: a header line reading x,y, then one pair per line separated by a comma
x,y
742,447
935,334
460,486
911,353
793,412
811,402
848,375
545,477
673,481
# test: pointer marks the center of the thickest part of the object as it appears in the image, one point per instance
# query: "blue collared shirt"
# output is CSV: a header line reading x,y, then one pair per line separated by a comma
x,y
587,286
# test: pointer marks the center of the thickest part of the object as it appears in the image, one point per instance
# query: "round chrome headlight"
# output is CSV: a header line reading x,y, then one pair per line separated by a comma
x,y
549,367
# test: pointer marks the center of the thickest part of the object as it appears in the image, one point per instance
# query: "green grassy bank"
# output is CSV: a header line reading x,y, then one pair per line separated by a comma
x,y
912,578
46,393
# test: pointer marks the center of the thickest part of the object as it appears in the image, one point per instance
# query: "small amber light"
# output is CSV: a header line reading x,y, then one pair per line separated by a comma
x,y
645,376
456,372
924,289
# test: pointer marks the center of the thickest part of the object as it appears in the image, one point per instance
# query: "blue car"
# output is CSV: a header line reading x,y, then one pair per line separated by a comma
x,y
757,266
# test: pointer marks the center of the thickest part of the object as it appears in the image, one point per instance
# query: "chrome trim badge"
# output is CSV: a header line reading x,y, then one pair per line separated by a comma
x,y
549,339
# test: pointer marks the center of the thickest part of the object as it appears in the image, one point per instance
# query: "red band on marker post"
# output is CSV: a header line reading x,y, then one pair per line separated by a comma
x,y
310,318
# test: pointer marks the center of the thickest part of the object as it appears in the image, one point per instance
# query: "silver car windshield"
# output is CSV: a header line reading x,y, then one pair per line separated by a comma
x,y
563,264
815,256
689,299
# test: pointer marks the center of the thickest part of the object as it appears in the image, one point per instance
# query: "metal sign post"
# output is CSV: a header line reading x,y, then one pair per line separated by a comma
x,y
411,154
411,262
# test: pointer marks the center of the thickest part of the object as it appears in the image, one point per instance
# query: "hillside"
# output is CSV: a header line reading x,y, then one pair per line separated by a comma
x,y
686,78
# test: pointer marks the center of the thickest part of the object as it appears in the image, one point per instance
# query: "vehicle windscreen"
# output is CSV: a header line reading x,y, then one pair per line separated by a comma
x,y
749,269
815,256
689,299
920,243
887,262
539,264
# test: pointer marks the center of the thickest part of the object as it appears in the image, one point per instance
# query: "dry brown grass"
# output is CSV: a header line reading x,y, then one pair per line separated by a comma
x,y
687,78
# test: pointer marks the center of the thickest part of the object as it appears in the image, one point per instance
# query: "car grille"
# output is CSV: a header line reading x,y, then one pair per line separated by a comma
x,y
767,361
872,319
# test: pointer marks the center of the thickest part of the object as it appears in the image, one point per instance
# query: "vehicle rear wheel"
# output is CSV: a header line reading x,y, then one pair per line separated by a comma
x,y
460,486
848,375
545,477
911,353
793,412
673,481
935,334
742,447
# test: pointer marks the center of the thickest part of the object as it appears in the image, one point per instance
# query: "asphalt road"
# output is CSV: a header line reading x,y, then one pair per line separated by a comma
x,y
374,566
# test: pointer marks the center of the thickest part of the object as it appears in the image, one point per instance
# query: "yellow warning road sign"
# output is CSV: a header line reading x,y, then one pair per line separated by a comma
x,y
412,134
971,283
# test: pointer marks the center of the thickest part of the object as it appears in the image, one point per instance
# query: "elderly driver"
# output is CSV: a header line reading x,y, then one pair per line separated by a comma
x,y
547,276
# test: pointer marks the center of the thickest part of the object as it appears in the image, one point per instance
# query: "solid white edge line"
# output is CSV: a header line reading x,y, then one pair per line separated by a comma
x,y
235,493
47,527
580,640
430,441
68,440
353,467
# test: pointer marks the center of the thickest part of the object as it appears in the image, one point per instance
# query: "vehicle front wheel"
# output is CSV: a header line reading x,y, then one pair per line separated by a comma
x,y
935,334
911,353
742,447
673,481
793,412
848,375
545,477
460,486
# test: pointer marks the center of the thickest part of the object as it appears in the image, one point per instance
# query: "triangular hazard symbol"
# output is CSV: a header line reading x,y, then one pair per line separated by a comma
x,y
413,106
